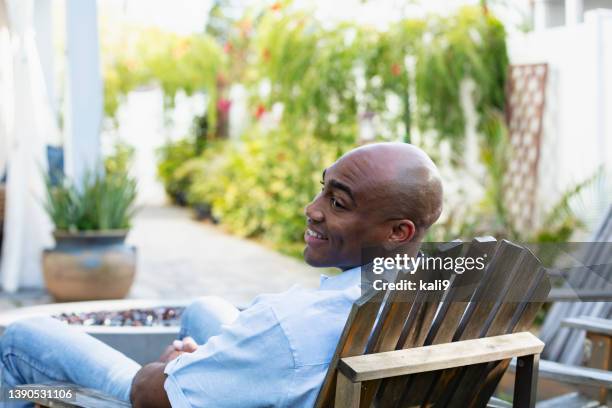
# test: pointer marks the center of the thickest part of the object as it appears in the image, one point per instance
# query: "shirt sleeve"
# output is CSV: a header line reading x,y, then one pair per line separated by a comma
x,y
249,364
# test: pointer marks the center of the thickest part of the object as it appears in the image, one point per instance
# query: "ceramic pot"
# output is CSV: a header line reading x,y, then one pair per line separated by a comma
x,y
89,265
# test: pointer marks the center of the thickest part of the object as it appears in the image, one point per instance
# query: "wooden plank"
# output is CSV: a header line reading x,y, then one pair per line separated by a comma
x,y
572,400
85,398
347,392
353,340
502,270
579,295
388,334
416,328
389,327
521,321
460,293
430,358
574,374
443,328
388,331
500,321
572,351
590,324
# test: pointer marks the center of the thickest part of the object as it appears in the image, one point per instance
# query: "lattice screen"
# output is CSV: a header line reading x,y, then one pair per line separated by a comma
x,y
524,114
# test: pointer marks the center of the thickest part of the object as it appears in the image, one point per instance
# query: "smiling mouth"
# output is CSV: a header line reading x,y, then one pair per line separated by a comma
x,y
313,235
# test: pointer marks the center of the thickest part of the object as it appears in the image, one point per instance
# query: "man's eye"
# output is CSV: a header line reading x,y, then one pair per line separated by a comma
x,y
335,204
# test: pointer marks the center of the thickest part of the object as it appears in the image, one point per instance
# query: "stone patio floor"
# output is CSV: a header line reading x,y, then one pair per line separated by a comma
x,y
181,258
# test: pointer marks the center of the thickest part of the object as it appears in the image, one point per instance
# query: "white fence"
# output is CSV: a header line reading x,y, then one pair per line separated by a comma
x,y
577,133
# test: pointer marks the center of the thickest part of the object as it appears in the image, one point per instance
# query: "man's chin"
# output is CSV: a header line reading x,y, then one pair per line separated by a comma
x,y
314,259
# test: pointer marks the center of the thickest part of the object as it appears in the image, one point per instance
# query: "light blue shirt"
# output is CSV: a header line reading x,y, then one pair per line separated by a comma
x,y
275,354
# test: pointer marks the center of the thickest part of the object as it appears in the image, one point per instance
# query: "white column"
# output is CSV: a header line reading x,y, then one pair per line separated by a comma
x,y
574,10
602,21
84,94
43,29
27,227
539,15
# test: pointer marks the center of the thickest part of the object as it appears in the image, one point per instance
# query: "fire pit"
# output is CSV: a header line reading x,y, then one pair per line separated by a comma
x,y
141,329
152,317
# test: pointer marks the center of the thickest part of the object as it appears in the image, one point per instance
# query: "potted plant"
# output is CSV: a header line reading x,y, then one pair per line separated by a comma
x,y
90,259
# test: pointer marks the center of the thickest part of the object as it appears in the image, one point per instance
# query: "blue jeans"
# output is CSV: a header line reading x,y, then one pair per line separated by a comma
x,y
42,349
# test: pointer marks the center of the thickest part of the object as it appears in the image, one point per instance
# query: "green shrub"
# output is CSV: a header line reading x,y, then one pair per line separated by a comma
x,y
171,156
120,160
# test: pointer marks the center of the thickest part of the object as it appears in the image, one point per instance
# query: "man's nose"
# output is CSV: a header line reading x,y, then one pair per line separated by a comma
x,y
313,213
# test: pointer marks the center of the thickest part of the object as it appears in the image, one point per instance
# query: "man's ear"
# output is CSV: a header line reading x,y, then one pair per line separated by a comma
x,y
402,231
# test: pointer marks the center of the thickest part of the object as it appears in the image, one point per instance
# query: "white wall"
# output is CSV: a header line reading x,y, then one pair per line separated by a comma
x,y
578,115
554,13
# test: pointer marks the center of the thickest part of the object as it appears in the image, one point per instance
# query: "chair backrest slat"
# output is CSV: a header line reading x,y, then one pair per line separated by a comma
x,y
462,289
353,341
407,323
442,330
521,321
501,272
523,288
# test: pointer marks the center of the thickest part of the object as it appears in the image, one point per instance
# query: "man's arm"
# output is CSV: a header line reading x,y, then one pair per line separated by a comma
x,y
148,384
148,387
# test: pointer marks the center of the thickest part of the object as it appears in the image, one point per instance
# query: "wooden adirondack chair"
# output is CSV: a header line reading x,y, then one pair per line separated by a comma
x,y
593,381
437,348
577,332
563,344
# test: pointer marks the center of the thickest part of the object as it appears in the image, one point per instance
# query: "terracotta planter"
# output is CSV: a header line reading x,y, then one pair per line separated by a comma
x,y
89,265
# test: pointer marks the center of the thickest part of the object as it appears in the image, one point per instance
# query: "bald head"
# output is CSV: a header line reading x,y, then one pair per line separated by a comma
x,y
377,195
402,178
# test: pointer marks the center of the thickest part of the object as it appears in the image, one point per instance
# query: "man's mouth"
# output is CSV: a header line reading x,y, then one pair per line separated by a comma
x,y
312,236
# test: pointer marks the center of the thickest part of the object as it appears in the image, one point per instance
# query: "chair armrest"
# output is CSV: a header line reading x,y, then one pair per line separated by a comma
x,y
578,295
440,356
84,397
590,324
570,374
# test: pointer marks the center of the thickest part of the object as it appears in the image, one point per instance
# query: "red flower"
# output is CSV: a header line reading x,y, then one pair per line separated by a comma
x,y
261,109
396,69
228,47
223,105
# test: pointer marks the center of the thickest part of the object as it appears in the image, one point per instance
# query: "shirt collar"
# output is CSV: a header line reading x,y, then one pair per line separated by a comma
x,y
345,280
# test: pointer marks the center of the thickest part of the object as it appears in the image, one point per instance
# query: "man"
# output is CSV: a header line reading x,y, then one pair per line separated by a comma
x,y
276,352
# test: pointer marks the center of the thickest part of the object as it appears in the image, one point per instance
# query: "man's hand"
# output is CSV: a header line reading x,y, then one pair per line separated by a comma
x,y
148,384
178,347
